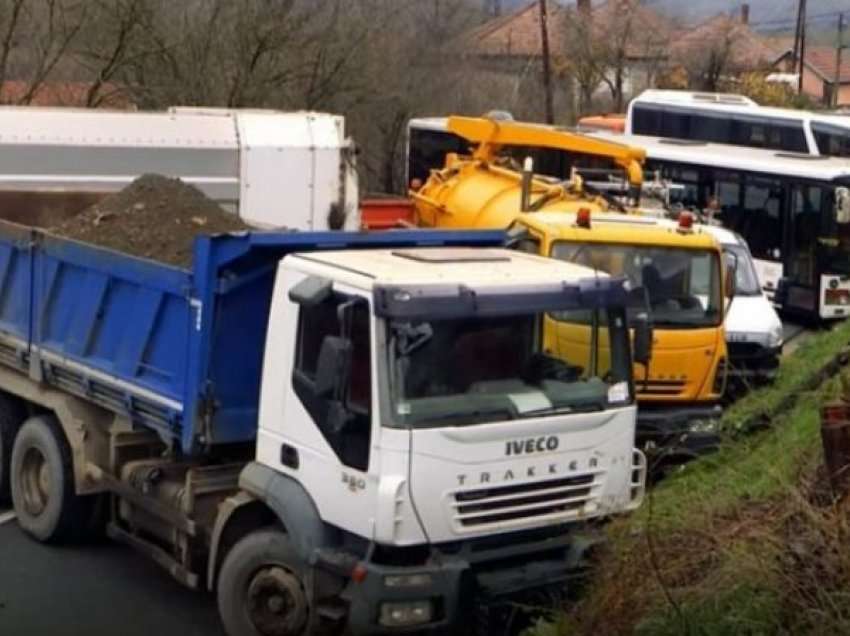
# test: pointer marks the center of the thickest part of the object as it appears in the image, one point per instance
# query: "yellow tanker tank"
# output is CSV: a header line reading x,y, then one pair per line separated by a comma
x,y
475,194
486,190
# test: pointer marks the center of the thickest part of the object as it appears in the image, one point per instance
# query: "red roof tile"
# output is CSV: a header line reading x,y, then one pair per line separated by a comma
x,y
747,49
822,60
518,34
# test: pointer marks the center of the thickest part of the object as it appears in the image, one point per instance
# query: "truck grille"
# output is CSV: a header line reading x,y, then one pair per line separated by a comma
x,y
660,388
739,350
519,503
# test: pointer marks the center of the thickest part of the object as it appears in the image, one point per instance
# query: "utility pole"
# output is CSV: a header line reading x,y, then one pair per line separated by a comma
x,y
547,67
839,47
802,18
795,57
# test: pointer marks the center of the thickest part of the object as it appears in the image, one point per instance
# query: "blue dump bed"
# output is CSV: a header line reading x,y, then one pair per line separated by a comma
x,y
175,350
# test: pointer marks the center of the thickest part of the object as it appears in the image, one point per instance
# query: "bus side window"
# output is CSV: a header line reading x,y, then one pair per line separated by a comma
x,y
807,208
711,128
727,189
792,137
831,141
761,218
646,120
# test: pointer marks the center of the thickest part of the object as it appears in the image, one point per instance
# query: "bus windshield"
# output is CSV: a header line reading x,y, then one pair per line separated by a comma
x,y
681,286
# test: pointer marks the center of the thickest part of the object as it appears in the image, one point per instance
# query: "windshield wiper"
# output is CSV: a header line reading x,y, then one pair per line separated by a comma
x,y
590,407
454,414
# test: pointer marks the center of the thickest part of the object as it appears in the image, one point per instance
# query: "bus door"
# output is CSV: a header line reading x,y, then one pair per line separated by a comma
x,y
818,249
762,224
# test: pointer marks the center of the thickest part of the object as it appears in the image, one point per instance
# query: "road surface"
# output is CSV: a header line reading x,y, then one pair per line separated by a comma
x,y
98,590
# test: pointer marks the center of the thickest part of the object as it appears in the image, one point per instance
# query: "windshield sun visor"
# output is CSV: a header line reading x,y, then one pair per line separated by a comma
x,y
431,302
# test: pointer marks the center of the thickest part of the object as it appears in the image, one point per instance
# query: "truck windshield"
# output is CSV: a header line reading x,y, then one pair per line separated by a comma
x,y
467,371
681,286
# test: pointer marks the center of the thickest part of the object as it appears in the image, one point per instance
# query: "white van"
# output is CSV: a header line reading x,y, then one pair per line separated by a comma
x,y
754,335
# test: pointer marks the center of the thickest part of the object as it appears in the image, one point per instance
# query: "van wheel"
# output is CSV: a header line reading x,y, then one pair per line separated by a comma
x,y
43,483
12,413
261,588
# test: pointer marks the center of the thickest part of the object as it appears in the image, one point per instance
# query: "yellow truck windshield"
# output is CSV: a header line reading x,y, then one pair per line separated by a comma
x,y
681,286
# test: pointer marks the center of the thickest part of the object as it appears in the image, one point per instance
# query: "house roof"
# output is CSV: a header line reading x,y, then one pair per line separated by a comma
x,y
821,60
518,34
747,48
63,94
649,28
513,35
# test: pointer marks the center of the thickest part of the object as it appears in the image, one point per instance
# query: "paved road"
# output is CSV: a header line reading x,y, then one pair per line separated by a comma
x,y
99,590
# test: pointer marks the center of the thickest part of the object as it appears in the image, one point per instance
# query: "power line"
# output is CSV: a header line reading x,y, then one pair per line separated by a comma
x,y
790,21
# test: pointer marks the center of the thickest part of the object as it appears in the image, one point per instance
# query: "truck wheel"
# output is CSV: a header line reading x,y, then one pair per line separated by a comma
x,y
12,413
261,590
43,483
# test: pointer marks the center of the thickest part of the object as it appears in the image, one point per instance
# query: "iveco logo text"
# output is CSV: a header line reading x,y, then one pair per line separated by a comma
x,y
529,472
532,445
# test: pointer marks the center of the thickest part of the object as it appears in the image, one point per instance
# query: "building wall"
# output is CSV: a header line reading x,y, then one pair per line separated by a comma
x,y
844,95
814,86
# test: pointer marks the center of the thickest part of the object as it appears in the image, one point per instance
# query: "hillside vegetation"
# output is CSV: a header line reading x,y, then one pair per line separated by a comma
x,y
748,540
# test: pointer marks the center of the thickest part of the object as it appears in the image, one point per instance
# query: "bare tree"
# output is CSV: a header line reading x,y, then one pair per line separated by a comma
x,y
603,48
114,37
35,37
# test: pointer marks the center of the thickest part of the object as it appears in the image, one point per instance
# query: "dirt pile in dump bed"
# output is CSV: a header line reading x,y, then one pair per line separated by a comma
x,y
154,217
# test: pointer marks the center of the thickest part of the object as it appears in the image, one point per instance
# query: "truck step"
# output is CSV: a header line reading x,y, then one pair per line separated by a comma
x,y
157,554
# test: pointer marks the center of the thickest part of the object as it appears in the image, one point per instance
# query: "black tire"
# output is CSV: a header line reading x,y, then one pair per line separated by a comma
x,y
43,483
260,569
12,415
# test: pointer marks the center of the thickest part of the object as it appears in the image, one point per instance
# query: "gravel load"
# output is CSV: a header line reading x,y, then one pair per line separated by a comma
x,y
154,217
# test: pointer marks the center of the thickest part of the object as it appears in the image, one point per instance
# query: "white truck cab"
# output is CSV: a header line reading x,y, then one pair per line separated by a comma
x,y
416,433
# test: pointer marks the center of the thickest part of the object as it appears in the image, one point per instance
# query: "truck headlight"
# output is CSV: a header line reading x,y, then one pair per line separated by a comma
x,y
406,613
775,337
703,425
407,580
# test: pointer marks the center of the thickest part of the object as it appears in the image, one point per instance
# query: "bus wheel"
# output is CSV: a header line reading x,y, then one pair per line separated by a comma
x,y
261,590
42,477
12,413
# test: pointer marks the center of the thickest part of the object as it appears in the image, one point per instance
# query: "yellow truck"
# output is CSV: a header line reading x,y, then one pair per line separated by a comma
x,y
677,273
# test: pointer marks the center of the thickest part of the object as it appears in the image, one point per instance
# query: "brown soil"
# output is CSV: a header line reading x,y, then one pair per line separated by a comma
x,y
154,217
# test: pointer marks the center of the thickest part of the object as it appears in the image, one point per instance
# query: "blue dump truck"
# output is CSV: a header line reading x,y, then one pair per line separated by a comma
x,y
328,431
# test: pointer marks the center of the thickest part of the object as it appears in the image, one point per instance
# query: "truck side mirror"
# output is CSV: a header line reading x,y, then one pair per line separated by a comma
x,y
333,366
842,205
730,283
730,279
642,344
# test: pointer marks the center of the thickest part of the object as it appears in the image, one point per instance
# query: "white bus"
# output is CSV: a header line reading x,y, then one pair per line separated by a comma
x,y
734,119
792,209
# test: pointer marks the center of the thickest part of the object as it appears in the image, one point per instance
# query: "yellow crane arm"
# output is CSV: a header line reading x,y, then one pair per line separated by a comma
x,y
490,135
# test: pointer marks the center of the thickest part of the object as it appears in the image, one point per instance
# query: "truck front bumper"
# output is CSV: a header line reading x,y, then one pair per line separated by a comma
x,y
452,586
678,433
752,363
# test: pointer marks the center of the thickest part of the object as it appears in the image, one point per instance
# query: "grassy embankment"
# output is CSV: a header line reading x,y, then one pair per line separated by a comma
x,y
746,541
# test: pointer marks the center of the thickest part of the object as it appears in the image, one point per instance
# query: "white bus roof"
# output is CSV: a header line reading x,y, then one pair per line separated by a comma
x,y
735,157
689,97
731,103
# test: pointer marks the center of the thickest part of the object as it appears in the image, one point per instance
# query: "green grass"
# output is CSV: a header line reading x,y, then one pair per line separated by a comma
x,y
707,552
795,371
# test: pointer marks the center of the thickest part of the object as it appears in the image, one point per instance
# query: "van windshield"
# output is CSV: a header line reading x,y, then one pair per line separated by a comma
x,y
746,280
466,371
681,286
